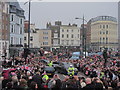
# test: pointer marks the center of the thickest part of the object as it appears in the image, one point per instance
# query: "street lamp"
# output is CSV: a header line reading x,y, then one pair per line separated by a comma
x,y
29,21
83,35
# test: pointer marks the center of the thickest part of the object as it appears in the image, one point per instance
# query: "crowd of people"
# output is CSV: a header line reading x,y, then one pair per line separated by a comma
x,y
26,74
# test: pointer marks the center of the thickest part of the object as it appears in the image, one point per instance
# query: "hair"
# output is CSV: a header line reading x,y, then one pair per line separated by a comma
x,y
33,85
23,82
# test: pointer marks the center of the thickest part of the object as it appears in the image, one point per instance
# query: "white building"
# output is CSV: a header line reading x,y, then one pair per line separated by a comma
x,y
34,37
69,35
16,26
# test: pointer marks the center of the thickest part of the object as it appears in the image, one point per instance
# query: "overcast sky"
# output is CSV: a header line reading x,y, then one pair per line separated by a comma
x,y
43,12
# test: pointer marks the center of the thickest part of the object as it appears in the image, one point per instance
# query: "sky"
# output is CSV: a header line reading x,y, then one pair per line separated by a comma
x,y
43,12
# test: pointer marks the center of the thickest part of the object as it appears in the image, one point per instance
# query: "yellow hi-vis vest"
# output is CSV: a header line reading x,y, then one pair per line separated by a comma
x,y
50,64
102,75
71,70
45,77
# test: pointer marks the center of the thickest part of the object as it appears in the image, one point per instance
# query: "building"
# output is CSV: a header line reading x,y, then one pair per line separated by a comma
x,y
64,36
70,36
34,36
16,27
104,33
45,38
4,29
55,33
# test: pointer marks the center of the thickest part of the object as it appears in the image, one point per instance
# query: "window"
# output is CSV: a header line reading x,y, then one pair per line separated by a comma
x,y
67,42
67,30
20,30
71,30
24,38
62,30
55,30
106,32
31,45
78,41
55,42
45,32
100,32
103,26
12,28
45,43
45,37
100,39
11,40
31,38
107,26
106,40
62,42
20,40
103,39
72,42
100,26
25,44
12,18
62,35
55,35
78,35
67,36
72,36
20,21
103,32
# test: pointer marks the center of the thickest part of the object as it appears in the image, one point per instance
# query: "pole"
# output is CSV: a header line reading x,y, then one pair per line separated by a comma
x,y
29,25
83,37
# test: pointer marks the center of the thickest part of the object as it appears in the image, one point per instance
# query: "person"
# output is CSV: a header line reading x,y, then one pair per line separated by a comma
x,y
105,56
45,80
71,70
45,77
50,63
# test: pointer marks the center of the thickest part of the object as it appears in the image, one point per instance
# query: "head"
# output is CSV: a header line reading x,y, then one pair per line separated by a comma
x,y
33,85
88,80
28,73
23,82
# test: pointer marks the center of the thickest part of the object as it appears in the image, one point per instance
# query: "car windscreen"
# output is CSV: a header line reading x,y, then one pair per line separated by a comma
x,y
49,69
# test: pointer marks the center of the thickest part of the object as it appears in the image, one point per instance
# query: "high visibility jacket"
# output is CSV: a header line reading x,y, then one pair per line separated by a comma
x,y
50,64
101,74
45,77
71,71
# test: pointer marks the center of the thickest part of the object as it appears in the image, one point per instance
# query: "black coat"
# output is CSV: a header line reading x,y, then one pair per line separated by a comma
x,y
38,80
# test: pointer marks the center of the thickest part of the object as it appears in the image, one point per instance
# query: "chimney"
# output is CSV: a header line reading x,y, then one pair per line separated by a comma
x,y
58,23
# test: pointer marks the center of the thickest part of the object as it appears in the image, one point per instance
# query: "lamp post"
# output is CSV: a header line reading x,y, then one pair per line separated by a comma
x,y
83,36
29,22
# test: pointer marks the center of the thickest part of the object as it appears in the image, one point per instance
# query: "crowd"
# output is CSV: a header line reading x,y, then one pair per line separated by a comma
x,y
21,74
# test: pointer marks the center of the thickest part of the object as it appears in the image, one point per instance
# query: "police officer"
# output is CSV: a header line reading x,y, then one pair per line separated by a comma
x,y
45,77
50,63
71,70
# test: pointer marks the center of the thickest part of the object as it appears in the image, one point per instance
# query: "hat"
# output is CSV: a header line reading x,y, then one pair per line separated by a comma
x,y
71,65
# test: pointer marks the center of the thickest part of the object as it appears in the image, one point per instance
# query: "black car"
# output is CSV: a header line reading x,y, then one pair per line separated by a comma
x,y
49,70
44,61
63,67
